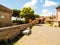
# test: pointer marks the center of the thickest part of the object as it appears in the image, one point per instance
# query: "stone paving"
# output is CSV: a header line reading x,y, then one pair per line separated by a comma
x,y
41,35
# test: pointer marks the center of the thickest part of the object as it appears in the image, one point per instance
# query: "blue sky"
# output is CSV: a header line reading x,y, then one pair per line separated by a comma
x,y
41,7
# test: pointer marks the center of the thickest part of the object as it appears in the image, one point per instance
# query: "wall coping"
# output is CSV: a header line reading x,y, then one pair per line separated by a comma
x,y
12,26
18,28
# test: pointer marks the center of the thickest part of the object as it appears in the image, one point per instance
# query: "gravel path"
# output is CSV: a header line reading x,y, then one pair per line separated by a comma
x,y
41,35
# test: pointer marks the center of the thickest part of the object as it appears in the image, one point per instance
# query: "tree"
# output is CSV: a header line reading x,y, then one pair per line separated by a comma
x,y
36,16
27,13
16,13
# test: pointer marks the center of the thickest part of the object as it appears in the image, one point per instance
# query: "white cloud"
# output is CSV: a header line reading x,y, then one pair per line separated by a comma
x,y
31,4
46,12
49,3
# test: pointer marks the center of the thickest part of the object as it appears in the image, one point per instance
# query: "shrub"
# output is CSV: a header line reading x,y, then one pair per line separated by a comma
x,y
51,24
3,42
55,26
19,21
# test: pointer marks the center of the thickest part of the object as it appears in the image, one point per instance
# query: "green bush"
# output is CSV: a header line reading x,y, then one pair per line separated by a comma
x,y
51,24
3,42
19,21
55,26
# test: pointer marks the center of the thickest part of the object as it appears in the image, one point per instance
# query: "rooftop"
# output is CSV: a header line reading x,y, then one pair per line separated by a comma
x,y
58,7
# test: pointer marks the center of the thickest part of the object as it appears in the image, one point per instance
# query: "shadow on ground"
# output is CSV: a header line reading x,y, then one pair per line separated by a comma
x,y
11,41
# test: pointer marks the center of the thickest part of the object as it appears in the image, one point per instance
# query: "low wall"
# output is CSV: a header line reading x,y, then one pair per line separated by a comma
x,y
12,31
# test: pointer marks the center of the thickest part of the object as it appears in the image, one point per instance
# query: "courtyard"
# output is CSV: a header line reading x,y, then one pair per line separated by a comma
x,y
17,17
42,34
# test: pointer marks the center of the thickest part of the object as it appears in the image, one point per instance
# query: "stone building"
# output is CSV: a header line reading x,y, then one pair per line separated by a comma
x,y
41,20
5,16
47,19
57,19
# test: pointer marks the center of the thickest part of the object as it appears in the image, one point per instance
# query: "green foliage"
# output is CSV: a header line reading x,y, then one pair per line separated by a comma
x,y
36,15
51,24
55,26
18,21
16,13
27,13
3,42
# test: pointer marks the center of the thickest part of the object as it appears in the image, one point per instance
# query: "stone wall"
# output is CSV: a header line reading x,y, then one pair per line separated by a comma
x,y
12,31
7,20
7,13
